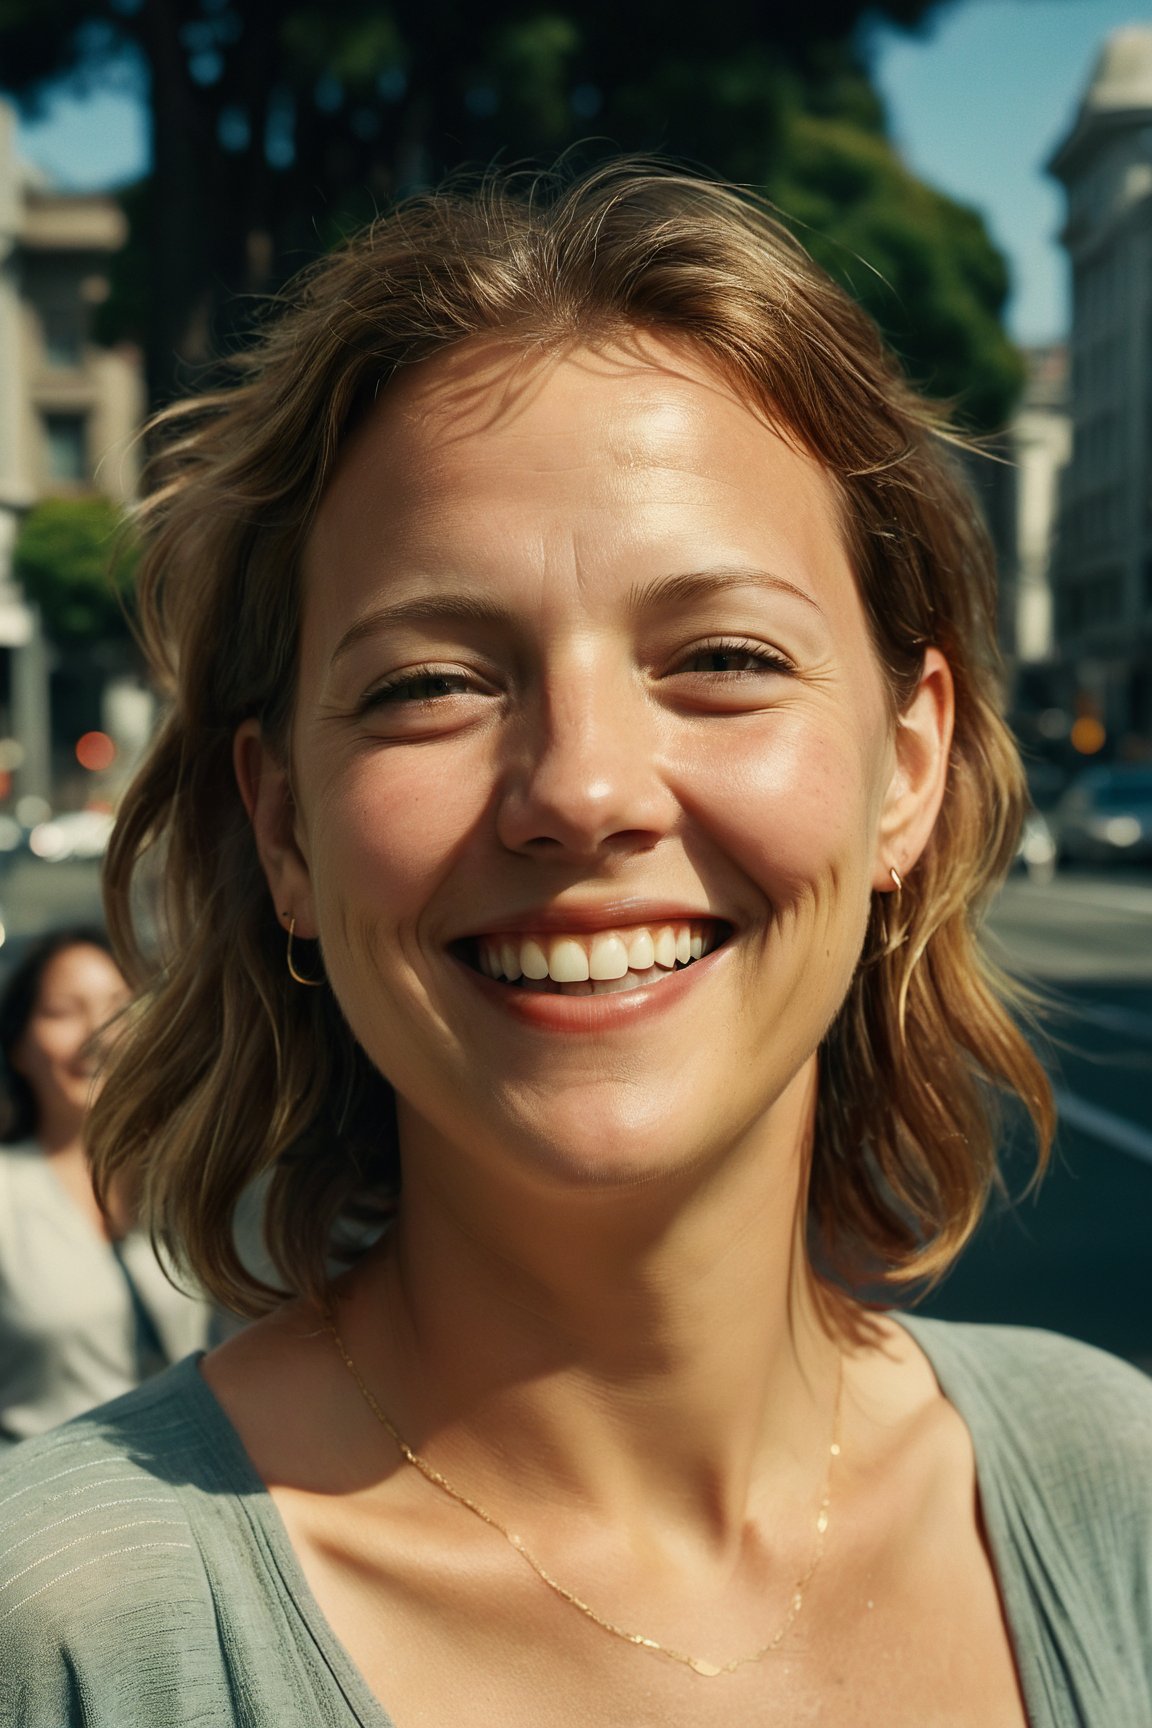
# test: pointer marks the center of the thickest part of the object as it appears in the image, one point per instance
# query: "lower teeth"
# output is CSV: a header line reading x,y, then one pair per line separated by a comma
x,y
597,986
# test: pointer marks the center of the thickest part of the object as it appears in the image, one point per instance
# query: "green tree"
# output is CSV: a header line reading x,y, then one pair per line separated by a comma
x,y
276,127
73,559
921,264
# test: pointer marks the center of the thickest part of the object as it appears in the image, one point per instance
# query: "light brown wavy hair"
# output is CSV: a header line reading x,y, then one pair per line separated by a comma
x,y
231,1071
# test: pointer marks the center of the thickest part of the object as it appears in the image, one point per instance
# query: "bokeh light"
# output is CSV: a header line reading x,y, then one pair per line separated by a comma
x,y
95,751
1087,735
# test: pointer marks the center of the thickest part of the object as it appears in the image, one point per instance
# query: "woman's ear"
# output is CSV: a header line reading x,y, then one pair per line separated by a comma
x,y
915,791
266,790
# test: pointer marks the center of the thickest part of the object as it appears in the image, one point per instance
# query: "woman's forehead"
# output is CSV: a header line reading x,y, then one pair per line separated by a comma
x,y
489,419
80,962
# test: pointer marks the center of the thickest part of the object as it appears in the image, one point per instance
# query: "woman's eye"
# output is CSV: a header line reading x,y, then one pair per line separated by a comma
x,y
734,657
421,685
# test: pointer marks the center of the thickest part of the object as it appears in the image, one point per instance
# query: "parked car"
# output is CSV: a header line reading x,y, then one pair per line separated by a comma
x,y
1105,817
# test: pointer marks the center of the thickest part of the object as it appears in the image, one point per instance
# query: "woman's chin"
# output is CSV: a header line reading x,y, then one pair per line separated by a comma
x,y
615,1130
605,1154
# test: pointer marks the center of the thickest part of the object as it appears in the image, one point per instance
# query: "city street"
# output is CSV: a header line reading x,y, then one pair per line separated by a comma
x,y
1077,1256
35,896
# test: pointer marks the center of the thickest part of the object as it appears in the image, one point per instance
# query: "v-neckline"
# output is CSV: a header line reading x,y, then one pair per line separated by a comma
x,y
369,1711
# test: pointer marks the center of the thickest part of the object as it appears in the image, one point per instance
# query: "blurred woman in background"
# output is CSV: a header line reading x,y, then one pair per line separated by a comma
x,y
86,1311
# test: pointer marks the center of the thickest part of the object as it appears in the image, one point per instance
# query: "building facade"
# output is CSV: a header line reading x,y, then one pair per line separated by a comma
x,y
1102,575
69,409
1040,440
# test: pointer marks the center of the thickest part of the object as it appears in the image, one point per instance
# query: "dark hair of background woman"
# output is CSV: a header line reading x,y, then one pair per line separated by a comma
x,y
18,1111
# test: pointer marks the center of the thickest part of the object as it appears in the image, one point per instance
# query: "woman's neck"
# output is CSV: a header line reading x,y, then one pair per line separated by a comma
x,y
61,1134
660,1348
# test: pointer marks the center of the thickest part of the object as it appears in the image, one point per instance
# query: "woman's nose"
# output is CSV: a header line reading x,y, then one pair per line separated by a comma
x,y
585,774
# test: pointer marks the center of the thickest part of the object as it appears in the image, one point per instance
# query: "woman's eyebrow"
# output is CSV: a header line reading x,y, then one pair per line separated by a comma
x,y
421,609
470,608
705,584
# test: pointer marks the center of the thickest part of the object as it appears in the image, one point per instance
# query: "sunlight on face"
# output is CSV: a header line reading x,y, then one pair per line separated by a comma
x,y
583,657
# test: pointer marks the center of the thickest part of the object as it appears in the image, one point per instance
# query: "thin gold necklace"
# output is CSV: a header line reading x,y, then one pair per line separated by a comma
x,y
698,1664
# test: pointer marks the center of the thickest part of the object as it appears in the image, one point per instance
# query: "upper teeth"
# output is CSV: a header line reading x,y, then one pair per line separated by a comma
x,y
571,959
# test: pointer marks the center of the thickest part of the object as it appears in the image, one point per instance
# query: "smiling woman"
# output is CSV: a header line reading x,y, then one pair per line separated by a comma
x,y
582,658
86,1311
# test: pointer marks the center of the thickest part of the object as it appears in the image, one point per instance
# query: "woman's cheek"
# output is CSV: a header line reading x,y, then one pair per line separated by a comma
x,y
395,821
790,806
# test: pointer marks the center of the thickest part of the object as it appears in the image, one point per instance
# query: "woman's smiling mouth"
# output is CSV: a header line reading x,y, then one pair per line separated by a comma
x,y
594,963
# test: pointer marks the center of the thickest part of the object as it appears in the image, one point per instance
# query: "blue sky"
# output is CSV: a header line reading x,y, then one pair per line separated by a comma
x,y
977,100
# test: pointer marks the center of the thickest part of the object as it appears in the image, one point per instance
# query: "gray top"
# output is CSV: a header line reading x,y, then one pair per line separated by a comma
x,y
68,1327
146,1580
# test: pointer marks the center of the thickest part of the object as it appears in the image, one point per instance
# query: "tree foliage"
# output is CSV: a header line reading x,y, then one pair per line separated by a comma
x,y
920,263
74,561
275,127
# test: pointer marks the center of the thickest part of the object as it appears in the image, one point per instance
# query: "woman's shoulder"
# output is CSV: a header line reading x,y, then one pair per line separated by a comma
x,y
105,1548
1077,1420
115,1480
21,1161
27,1189
157,1431
1032,1360
1062,1439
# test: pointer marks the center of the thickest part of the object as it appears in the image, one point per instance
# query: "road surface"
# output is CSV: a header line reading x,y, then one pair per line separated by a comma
x,y
1078,1255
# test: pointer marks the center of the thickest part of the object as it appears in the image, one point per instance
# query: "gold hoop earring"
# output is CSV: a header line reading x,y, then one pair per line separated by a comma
x,y
298,977
896,877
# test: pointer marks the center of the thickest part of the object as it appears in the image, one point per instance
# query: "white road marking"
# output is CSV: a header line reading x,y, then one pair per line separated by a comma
x,y
1103,1125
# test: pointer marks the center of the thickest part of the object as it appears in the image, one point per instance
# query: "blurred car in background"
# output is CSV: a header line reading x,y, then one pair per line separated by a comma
x,y
74,834
1105,817
1036,851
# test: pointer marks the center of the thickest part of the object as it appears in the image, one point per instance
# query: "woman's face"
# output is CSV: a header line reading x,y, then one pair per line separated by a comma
x,y
585,687
81,989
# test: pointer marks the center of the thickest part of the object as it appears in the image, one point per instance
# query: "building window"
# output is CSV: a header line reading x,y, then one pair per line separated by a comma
x,y
66,440
63,337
